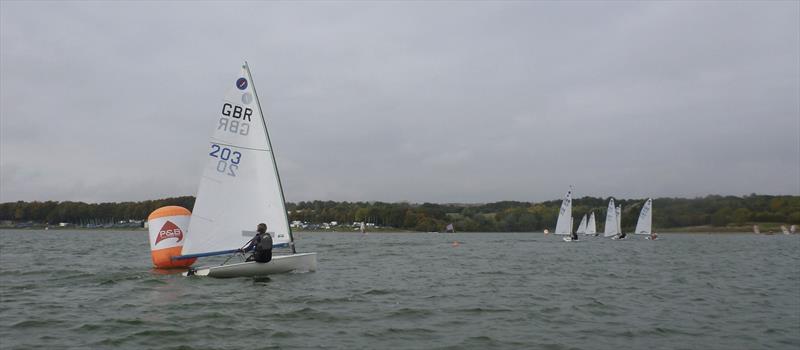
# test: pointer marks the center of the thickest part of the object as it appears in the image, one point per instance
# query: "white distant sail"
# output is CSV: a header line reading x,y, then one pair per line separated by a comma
x,y
591,227
756,230
363,227
784,229
564,223
611,220
645,224
619,218
240,187
793,229
582,225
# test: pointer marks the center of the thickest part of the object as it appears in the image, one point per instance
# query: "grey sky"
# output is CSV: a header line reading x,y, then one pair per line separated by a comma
x,y
443,101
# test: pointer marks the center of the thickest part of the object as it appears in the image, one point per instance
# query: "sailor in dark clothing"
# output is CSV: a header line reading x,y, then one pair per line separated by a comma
x,y
261,245
622,235
574,235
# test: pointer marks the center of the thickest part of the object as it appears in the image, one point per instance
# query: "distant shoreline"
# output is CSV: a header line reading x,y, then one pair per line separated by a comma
x,y
676,230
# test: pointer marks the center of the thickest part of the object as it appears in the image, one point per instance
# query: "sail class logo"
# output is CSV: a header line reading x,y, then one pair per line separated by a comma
x,y
169,230
241,83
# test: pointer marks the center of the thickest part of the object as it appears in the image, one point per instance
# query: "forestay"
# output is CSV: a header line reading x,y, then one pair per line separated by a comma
x,y
611,219
645,224
564,223
240,187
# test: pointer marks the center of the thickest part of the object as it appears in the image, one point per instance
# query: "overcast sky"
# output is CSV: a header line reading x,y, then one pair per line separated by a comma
x,y
416,101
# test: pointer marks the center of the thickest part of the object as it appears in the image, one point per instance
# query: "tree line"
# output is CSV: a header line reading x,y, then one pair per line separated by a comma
x,y
504,216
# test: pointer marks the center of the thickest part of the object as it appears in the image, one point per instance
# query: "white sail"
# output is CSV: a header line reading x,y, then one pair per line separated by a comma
x,y
793,229
582,225
611,220
591,226
619,219
784,229
240,187
564,223
363,227
756,230
645,224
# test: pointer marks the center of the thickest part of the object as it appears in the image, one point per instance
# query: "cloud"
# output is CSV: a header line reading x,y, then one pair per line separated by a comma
x,y
444,101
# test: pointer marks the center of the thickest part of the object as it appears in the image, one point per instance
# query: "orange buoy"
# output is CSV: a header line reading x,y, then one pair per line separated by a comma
x,y
167,227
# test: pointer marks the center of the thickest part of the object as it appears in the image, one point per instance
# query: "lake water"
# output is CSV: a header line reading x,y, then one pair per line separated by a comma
x,y
96,290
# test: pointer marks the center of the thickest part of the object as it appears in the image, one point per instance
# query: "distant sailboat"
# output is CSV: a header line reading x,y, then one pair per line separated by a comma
x,y
645,224
611,220
793,229
564,223
450,228
363,228
582,226
591,227
784,230
756,230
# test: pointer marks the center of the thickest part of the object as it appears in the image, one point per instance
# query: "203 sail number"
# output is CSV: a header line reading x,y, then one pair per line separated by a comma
x,y
228,160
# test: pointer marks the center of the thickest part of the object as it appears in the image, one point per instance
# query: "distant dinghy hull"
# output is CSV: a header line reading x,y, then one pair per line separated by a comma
x,y
304,262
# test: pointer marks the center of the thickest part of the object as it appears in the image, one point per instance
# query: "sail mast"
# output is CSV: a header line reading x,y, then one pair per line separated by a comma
x,y
274,160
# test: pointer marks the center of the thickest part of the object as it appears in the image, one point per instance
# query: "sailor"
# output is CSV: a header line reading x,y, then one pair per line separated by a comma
x,y
261,245
622,235
574,235
653,235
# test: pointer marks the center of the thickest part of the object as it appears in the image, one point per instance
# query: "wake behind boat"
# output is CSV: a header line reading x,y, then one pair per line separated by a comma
x,y
240,188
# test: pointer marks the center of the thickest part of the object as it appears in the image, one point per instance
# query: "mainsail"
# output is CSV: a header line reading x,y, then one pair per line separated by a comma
x,y
611,220
240,187
564,223
645,224
582,225
591,227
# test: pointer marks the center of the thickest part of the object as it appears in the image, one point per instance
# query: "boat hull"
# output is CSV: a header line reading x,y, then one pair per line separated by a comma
x,y
304,262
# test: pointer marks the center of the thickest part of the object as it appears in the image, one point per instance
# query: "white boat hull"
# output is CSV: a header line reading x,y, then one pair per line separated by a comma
x,y
303,262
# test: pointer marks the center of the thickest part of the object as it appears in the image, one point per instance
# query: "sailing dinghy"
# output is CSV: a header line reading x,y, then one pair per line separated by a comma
x,y
620,235
591,226
582,226
241,188
564,223
611,220
645,224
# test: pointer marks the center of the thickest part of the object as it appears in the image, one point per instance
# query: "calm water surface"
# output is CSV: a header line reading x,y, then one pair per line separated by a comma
x,y
96,290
